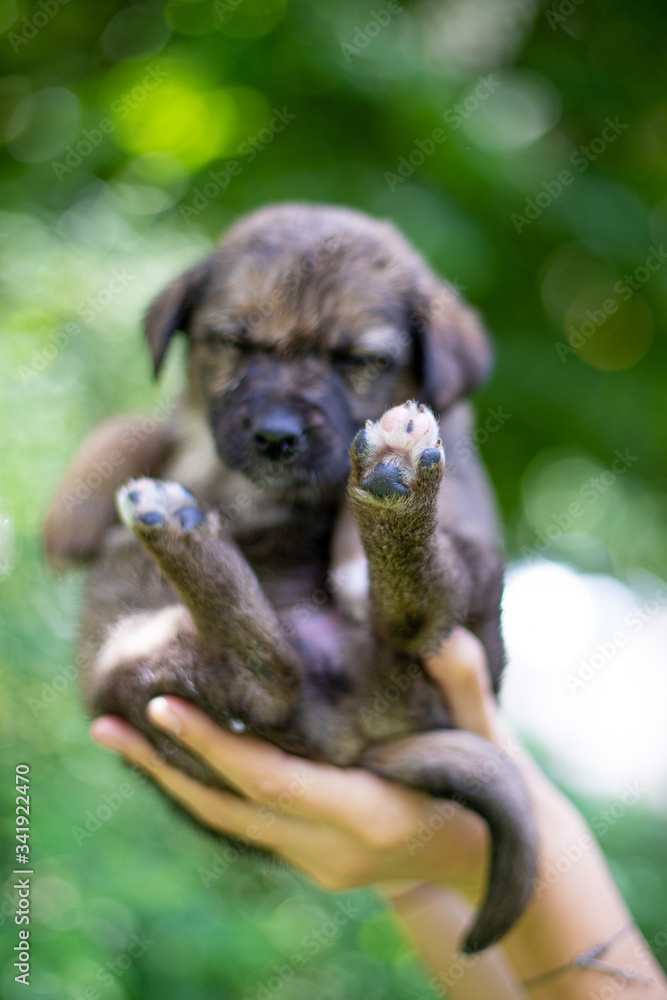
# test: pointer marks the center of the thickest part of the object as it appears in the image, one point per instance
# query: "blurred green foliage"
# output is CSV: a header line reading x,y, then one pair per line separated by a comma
x,y
523,148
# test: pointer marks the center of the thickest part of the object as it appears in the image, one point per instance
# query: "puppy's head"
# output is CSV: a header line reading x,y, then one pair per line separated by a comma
x,y
305,322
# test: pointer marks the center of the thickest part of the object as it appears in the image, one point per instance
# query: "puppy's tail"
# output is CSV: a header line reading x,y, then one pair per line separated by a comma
x,y
472,771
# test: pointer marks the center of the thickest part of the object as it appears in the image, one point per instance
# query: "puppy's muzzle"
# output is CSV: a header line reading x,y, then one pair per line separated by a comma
x,y
278,433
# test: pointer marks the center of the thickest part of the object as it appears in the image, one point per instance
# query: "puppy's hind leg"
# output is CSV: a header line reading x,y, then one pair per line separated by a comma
x,y
418,581
146,654
231,614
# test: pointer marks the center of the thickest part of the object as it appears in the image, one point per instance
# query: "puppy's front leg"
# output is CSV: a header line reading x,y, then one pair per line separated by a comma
x,y
419,581
84,509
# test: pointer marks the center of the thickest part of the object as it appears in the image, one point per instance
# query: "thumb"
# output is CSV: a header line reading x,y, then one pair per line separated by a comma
x,y
460,670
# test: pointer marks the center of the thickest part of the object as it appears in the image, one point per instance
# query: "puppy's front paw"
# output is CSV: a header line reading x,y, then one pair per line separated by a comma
x,y
148,505
398,454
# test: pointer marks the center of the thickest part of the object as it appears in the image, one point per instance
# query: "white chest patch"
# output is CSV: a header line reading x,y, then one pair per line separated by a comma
x,y
352,588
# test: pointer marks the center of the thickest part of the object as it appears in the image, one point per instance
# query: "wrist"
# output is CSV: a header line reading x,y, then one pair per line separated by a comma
x,y
394,890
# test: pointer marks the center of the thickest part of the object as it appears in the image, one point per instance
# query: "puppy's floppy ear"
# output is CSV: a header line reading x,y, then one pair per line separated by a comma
x,y
171,310
453,350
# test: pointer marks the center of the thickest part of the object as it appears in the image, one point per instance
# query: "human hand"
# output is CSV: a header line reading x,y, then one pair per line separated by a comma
x,y
346,827
341,826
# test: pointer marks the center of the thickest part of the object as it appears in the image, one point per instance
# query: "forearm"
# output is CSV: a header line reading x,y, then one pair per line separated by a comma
x,y
434,917
576,906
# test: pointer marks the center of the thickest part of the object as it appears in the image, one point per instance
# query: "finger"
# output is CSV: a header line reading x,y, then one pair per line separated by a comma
x,y
116,734
461,671
258,769
351,798
221,811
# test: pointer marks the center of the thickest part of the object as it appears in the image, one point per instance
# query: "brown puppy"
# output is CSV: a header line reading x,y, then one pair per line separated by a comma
x,y
336,548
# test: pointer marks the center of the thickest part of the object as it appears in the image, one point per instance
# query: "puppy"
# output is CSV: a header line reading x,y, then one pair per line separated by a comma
x,y
306,545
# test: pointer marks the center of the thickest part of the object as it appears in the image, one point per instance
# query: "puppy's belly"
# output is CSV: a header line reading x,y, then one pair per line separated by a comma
x,y
324,630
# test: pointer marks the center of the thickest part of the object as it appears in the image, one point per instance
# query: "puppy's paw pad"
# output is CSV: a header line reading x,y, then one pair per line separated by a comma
x,y
360,444
430,456
189,517
153,504
385,480
409,423
391,454
153,518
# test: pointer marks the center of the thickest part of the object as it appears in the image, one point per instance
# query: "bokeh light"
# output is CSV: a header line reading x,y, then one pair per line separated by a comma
x,y
519,109
43,124
610,326
586,676
169,111
135,33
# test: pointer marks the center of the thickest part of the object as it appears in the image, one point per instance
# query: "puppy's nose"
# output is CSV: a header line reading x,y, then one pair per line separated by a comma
x,y
278,433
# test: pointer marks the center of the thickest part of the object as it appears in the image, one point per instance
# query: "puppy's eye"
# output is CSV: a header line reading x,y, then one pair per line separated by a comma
x,y
352,362
227,340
